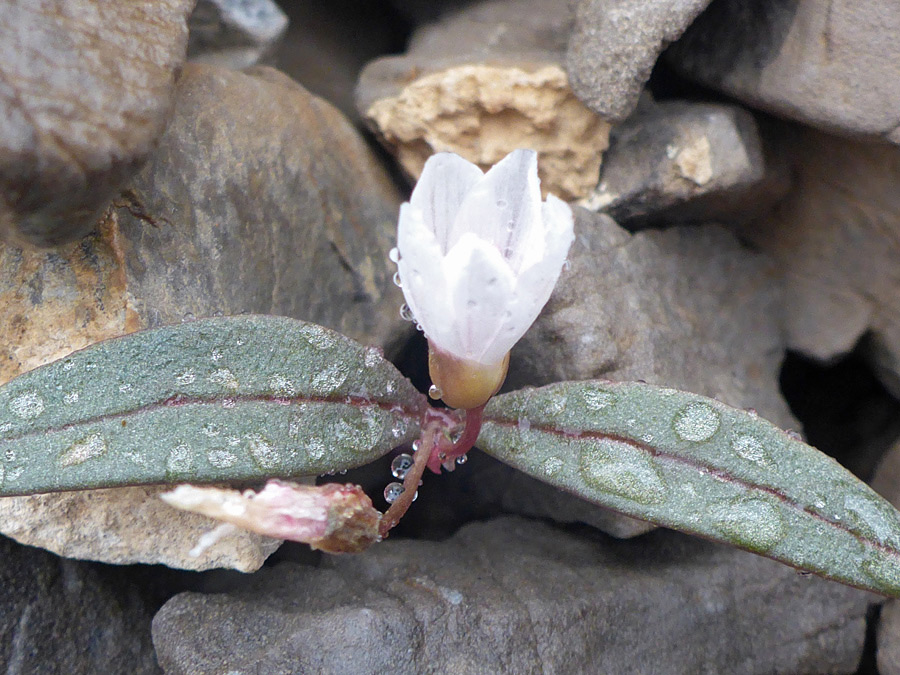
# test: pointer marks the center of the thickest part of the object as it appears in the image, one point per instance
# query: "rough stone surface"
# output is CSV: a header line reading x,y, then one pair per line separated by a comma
x,y
235,33
514,596
830,64
614,46
888,658
280,211
687,307
85,91
125,526
836,239
328,43
60,616
482,82
686,162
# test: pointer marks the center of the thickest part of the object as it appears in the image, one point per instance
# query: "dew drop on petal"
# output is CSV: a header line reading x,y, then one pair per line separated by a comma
x,y
392,492
397,281
401,466
462,459
406,313
435,392
394,255
415,446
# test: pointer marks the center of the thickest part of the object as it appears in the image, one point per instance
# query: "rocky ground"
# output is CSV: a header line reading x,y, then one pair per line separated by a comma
x,y
734,168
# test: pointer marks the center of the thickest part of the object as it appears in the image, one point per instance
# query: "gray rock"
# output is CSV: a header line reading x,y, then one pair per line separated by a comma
x,y
829,64
260,198
686,162
836,240
235,33
614,46
888,656
687,307
515,596
482,82
328,43
59,616
87,89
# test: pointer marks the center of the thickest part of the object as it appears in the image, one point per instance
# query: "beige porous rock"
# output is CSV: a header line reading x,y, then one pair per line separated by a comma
x,y
481,83
121,522
483,112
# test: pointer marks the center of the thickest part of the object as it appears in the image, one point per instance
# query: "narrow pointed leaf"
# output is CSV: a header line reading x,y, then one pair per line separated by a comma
x,y
699,466
221,399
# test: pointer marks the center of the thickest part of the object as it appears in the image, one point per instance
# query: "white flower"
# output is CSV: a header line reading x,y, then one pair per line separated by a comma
x,y
479,255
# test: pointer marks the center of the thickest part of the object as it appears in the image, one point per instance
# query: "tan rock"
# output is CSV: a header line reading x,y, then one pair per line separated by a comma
x,y
261,198
481,83
125,526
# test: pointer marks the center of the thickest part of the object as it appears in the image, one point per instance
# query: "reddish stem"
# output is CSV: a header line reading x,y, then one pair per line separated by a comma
x,y
443,456
432,429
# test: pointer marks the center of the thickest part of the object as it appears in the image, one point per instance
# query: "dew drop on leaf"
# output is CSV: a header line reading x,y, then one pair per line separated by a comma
x,y
27,406
696,422
754,524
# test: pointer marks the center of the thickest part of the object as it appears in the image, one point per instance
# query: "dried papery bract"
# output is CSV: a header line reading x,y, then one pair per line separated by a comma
x,y
333,518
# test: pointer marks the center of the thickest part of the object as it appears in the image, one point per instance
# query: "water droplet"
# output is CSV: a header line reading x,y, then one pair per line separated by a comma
x,y
71,397
180,460
224,378
221,458
83,450
394,255
397,281
462,459
870,515
510,225
552,466
621,469
10,455
262,450
188,317
187,377
751,412
401,466
415,446
218,313
435,392
282,386
696,422
27,406
216,354
524,424
795,435
419,327
318,337
750,448
125,388
228,403
754,524
393,491
566,265
399,429
329,379
597,399
406,313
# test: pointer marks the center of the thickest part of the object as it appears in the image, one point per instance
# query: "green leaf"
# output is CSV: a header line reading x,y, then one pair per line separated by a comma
x,y
222,399
699,466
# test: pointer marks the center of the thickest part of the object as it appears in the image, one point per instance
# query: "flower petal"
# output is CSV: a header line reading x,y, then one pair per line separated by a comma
x,y
481,288
421,267
445,181
503,207
535,283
